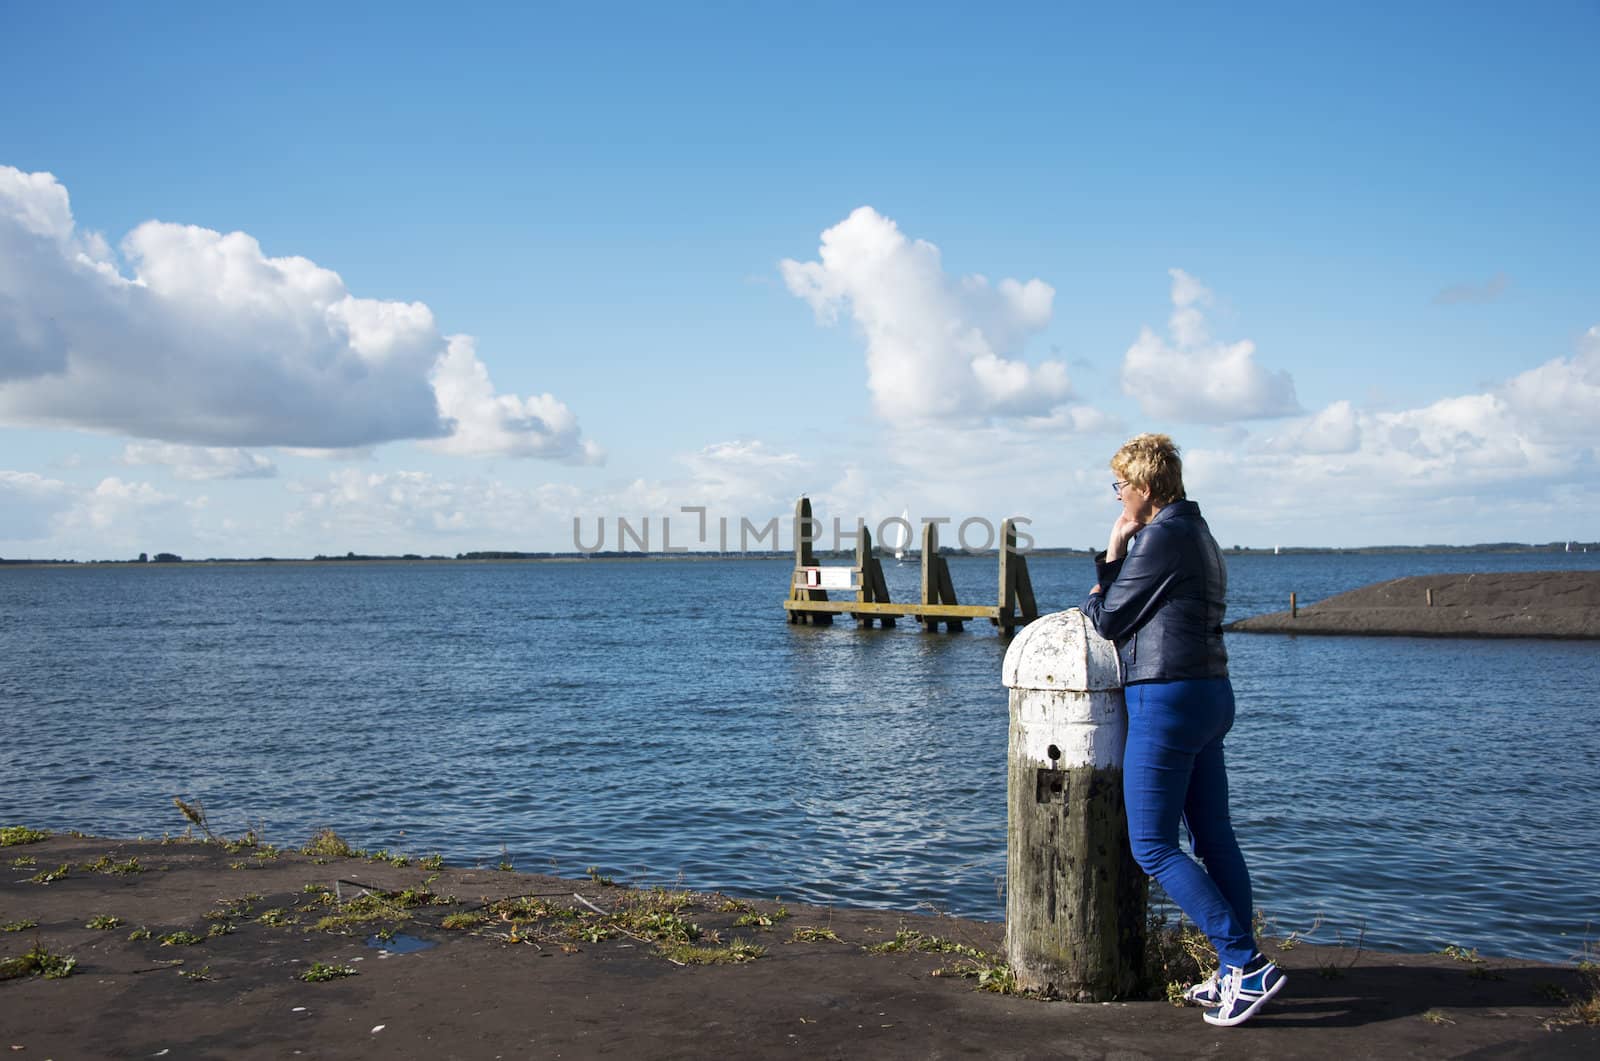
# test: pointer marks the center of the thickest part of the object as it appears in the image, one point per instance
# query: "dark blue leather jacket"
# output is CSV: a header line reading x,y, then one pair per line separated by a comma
x,y
1162,603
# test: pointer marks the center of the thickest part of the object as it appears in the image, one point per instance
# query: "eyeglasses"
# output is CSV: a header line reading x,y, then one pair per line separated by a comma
x,y
1116,487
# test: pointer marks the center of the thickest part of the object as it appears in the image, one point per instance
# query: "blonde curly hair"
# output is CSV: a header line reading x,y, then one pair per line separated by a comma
x,y
1151,462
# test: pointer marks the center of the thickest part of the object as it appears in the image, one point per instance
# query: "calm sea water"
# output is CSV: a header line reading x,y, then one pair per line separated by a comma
x,y
663,722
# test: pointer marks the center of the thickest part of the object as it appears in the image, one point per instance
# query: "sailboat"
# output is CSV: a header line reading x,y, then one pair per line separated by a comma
x,y
899,536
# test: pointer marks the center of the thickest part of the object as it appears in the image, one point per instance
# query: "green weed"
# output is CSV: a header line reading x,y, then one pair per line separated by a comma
x,y
1176,955
12,835
594,932
662,926
464,921
660,899
806,934
1332,968
181,939
526,908
18,926
991,971
1583,1010
320,973
59,873
328,844
1462,954
196,814
754,918
138,934
38,962
22,861
104,921
908,940
736,952
247,842
107,864
380,906
234,908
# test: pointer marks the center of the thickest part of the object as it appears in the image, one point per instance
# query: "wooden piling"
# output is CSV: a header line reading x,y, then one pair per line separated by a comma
x,y
936,585
805,556
1016,587
1076,901
871,587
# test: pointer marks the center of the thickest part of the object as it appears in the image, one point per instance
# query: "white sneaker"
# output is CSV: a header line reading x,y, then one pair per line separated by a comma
x,y
1207,992
1245,992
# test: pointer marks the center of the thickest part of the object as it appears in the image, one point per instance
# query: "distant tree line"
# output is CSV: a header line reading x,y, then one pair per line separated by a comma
x,y
773,554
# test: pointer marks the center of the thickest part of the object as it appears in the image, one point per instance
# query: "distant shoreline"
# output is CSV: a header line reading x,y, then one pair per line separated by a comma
x,y
509,556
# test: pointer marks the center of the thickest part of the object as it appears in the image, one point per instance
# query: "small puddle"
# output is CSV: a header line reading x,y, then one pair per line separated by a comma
x,y
400,943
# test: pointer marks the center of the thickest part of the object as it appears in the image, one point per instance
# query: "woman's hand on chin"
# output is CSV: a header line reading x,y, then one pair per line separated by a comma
x,y
1123,529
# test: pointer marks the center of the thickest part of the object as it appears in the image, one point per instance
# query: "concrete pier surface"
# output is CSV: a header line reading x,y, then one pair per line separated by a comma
x,y
572,969
1546,604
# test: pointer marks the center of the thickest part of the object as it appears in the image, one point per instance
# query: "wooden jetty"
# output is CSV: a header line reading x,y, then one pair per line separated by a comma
x,y
808,600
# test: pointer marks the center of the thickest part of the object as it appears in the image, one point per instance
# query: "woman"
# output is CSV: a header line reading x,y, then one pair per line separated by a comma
x,y
1160,598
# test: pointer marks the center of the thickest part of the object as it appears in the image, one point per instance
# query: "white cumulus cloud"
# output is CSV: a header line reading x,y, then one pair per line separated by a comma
x,y
1560,400
1189,376
937,346
29,504
490,424
200,462
112,514
1539,422
210,342
1335,429
747,473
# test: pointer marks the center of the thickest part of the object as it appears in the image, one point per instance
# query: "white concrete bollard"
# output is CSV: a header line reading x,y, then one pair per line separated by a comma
x,y
1075,900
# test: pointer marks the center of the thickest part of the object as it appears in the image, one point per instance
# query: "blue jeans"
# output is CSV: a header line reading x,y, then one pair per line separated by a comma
x,y
1173,770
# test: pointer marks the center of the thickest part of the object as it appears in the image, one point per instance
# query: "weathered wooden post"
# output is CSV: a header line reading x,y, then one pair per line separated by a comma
x,y
937,588
871,588
805,532
1016,587
1075,900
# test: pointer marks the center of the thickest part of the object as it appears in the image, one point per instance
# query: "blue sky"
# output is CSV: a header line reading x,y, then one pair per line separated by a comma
x,y
499,268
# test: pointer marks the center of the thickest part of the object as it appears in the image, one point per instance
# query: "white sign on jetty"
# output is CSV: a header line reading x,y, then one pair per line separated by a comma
x,y
826,578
